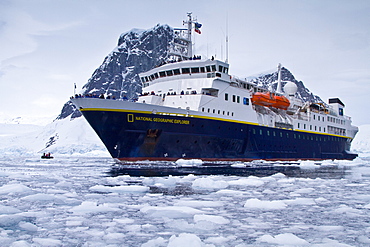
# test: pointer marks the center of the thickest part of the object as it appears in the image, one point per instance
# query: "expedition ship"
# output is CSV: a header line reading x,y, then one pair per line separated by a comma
x,y
193,108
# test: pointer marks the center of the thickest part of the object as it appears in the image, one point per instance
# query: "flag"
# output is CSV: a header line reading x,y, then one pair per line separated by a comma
x,y
197,27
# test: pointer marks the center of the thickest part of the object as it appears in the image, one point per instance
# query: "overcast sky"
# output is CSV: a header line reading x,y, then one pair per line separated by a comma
x,y
46,46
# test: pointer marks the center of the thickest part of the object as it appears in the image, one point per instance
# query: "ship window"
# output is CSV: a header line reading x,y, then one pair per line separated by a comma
x,y
226,96
218,74
238,99
142,79
304,126
156,75
208,68
162,74
152,77
310,127
268,132
314,117
318,118
223,112
232,114
324,129
213,68
195,70
298,126
246,101
315,127
214,111
169,72
202,69
202,109
228,113
319,128
185,70
220,68
281,134
218,111
176,71
209,110
274,133
234,97
254,131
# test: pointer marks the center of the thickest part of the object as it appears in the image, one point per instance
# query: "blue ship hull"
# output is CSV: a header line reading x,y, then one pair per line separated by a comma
x,y
138,136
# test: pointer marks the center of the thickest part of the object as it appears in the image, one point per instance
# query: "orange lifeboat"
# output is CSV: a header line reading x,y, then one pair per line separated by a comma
x,y
271,100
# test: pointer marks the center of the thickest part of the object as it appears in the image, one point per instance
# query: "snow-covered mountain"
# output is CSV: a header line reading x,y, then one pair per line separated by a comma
x,y
137,51
269,81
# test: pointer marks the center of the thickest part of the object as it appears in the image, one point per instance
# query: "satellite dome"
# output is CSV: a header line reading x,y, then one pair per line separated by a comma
x,y
290,88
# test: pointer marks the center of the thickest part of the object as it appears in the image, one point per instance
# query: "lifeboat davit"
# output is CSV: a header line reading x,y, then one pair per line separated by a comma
x,y
271,100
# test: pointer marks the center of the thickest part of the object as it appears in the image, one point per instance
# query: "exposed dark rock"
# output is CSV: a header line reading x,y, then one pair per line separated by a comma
x,y
269,81
137,51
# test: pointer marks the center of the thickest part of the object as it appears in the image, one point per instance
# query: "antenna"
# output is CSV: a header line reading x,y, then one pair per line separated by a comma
x,y
227,38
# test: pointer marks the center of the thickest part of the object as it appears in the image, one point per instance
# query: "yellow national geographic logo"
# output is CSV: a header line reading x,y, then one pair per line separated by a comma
x,y
130,118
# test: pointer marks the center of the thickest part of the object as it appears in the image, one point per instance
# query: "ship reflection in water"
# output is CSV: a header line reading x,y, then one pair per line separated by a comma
x,y
161,169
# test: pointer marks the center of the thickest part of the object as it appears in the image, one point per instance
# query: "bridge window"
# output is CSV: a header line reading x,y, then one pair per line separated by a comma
x,y
195,70
208,68
220,68
176,71
169,73
213,68
162,74
202,70
185,70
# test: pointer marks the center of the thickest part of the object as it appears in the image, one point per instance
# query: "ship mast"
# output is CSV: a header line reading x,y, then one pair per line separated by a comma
x,y
190,26
278,88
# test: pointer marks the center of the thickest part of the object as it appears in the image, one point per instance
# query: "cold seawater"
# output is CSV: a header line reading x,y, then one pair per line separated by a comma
x,y
95,202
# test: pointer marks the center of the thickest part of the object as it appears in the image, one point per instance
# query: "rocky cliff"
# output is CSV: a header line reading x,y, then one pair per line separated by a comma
x,y
137,51
269,81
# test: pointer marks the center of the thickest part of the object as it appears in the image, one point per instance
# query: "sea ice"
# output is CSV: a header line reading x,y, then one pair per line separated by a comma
x,y
255,203
250,181
211,218
189,163
87,207
14,188
286,239
170,211
209,183
185,240
120,189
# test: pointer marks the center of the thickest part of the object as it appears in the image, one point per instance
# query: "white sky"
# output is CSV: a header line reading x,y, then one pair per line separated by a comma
x,y
46,46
